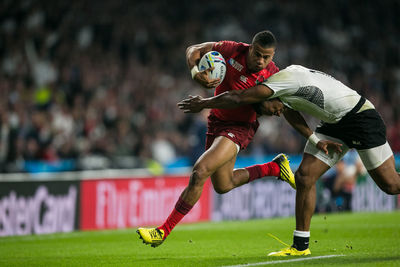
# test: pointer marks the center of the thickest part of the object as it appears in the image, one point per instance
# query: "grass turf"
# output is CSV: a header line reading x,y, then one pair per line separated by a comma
x,y
364,239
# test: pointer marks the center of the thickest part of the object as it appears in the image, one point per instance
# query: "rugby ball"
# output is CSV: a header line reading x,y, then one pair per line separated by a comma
x,y
216,60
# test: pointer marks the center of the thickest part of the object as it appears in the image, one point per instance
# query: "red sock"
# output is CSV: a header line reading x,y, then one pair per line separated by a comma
x,y
177,214
262,170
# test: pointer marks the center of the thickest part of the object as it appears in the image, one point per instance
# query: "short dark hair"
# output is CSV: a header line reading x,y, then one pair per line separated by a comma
x,y
265,39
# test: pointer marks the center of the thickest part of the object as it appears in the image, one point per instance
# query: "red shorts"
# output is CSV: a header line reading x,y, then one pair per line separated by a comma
x,y
241,133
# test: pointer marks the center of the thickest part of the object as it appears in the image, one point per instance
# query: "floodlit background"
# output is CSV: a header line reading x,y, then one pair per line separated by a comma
x,y
96,84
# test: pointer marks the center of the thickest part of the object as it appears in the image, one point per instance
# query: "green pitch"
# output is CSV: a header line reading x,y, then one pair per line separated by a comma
x,y
364,239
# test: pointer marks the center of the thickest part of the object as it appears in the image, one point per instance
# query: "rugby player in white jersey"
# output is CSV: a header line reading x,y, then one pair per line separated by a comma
x,y
348,120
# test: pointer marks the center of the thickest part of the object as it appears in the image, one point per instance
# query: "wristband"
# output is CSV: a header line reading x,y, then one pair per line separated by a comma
x,y
194,71
313,139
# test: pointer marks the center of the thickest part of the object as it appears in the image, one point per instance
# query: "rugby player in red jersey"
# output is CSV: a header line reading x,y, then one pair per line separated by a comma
x,y
229,130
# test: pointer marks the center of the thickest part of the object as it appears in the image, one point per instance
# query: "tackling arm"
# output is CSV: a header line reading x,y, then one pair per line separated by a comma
x,y
226,100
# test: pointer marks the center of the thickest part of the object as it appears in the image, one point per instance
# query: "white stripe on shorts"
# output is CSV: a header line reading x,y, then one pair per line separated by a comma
x,y
372,158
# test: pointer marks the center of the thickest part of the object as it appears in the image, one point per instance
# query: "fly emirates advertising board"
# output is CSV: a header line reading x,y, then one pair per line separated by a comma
x,y
121,203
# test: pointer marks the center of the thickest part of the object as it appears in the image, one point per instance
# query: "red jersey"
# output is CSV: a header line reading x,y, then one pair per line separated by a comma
x,y
238,77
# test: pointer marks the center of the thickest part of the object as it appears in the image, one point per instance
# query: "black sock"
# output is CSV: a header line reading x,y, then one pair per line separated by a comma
x,y
300,243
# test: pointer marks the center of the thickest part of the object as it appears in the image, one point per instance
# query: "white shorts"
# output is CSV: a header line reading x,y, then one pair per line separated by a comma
x,y
371,158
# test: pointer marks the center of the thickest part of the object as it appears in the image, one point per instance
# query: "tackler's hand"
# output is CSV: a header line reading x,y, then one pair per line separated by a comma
x,y
193,104
326,145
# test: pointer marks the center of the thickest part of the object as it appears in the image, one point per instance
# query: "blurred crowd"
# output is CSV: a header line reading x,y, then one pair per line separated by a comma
x,y
336,186
98,82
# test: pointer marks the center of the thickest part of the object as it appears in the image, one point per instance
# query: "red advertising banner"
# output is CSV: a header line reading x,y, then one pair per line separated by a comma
x,y
120,203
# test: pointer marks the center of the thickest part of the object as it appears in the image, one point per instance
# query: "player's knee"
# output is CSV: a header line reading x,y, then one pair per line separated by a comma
x,y
199,175
202,170
195,180
302,179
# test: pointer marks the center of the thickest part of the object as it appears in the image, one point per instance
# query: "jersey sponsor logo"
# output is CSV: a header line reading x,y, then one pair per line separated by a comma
x,y
236,65
243,78
312,94
356,143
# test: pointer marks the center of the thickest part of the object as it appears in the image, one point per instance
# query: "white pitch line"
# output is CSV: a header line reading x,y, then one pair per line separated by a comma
x,y
283,261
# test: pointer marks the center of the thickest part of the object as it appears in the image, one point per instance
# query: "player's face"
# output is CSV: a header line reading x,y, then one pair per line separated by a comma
x,y
259,57
272,107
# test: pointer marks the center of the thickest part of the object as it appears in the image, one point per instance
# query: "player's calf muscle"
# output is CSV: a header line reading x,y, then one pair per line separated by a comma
x,y
390,188
222,189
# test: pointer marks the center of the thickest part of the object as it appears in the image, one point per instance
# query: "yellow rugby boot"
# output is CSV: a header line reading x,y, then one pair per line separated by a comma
x,y
152,236
286,173
290,251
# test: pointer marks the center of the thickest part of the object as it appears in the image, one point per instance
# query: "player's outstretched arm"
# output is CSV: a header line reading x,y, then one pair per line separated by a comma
x,y
193,56
193,104
226,100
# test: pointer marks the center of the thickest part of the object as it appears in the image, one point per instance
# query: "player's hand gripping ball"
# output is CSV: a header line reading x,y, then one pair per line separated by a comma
x,y
216,60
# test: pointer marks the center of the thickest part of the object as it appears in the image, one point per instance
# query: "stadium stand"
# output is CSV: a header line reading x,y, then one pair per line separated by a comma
x,y
96,85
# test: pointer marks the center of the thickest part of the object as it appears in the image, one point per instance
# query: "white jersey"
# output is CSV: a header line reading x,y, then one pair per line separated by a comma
x,y
313,92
